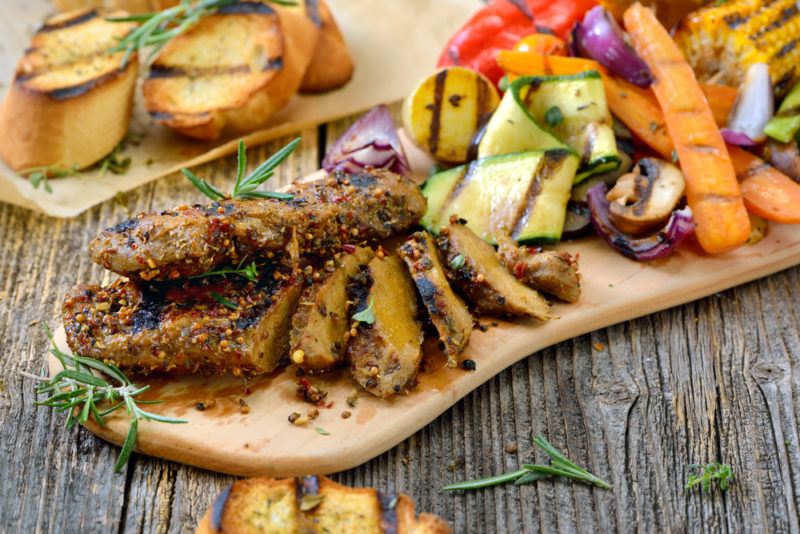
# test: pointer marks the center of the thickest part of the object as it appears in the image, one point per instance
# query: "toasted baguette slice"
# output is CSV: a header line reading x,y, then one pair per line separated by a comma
x,y
331,67
385,353
70,102
447,311
322,320
313,505
476,271
231,71
131,6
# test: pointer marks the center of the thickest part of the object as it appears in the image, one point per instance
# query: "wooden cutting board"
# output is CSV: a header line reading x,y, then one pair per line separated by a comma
x,y
263,442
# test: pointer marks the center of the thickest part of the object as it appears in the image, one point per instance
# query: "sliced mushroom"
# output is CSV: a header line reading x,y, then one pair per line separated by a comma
x,y
783,156
645,198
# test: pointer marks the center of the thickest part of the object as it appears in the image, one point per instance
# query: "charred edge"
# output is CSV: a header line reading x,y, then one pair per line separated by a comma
x,y
65,93
312,11
149,311
246,8
75,21
388,504
754,171
435,126
429,293
532,88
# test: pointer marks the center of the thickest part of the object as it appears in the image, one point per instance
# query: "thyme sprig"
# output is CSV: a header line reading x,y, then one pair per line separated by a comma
x,y
39,175
158,28
707,474
560,466
246,186
86,387
249,272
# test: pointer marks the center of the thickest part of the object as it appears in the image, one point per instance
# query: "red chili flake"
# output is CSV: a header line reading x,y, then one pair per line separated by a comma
x,y
349,248
519,269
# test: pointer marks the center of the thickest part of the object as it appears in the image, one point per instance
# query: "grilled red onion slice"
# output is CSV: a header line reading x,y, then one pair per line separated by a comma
x,y
600,38
371,142
754,107
659,245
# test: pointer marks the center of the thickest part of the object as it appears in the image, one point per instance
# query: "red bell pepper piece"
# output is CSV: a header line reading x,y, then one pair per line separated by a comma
x,y
502,23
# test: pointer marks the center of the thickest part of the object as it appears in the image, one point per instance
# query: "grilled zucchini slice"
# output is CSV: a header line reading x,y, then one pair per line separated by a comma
x,y
477,272
447,311
232,70
446,109
70,102
320,325
387,348
519,195
543,112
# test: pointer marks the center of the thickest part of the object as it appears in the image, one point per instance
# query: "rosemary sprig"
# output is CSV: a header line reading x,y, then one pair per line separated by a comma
x,y
246,186
157,29
707,474
560,466
250,272
225,302
39,175
86,387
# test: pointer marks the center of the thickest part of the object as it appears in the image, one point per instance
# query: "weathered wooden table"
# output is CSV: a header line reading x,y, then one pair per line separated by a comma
x,y
715,380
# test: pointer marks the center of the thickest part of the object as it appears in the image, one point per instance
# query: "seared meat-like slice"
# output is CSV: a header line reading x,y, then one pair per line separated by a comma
x,y
548,271
208,326
447,311
476,270
321,323
322,216
385,354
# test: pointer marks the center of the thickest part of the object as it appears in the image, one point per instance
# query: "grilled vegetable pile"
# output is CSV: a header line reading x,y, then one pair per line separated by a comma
x,y
611,129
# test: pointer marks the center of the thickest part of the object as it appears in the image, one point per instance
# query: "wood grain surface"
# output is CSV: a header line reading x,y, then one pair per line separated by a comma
x,y
714,380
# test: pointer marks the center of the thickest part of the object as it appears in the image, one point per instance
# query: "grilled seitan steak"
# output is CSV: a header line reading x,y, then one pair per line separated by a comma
x,y
232,70
387,348
322,320
548,271
313,505
322,217
70,101
477,272
211,326
447,311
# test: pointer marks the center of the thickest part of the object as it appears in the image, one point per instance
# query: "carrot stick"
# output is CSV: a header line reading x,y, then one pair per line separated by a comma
x,y
542,43
712,190
638,110
767,192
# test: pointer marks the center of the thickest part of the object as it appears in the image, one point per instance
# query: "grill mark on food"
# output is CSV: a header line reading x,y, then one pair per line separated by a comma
x,y
73,91
547,167
312,10
482,101
786,49
388,503
435,125
776,24
166,71
754,171
467,175
734,20
532,88
75,21
643,185
246,8
523,8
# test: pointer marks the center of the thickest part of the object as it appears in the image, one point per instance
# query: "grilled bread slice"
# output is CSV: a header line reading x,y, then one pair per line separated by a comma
x,y
313,505
70,102
131,6
231,71
476,271
548,271
447,311
322,320
331,67
386,351
211,325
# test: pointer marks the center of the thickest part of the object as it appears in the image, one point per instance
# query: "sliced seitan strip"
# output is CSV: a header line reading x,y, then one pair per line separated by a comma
x,y
386,351
548,271
447,311
322,320
477,272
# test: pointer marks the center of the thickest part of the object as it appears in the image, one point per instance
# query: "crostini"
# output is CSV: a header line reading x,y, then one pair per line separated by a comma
x,y
70,101
331,67
313,504
231,71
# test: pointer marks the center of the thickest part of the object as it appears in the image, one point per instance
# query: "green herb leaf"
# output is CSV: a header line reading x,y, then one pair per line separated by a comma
x,y
78,390
225,302
322,431
367,315
310,501
707,474
250,272
457,262
39,175
206,188
486,482
553,116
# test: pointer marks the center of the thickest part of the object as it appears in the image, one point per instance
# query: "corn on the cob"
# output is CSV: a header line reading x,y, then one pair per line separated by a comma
x,y
722,41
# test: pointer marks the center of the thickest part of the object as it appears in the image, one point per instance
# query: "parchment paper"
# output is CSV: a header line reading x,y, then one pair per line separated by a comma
x,y
394,43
